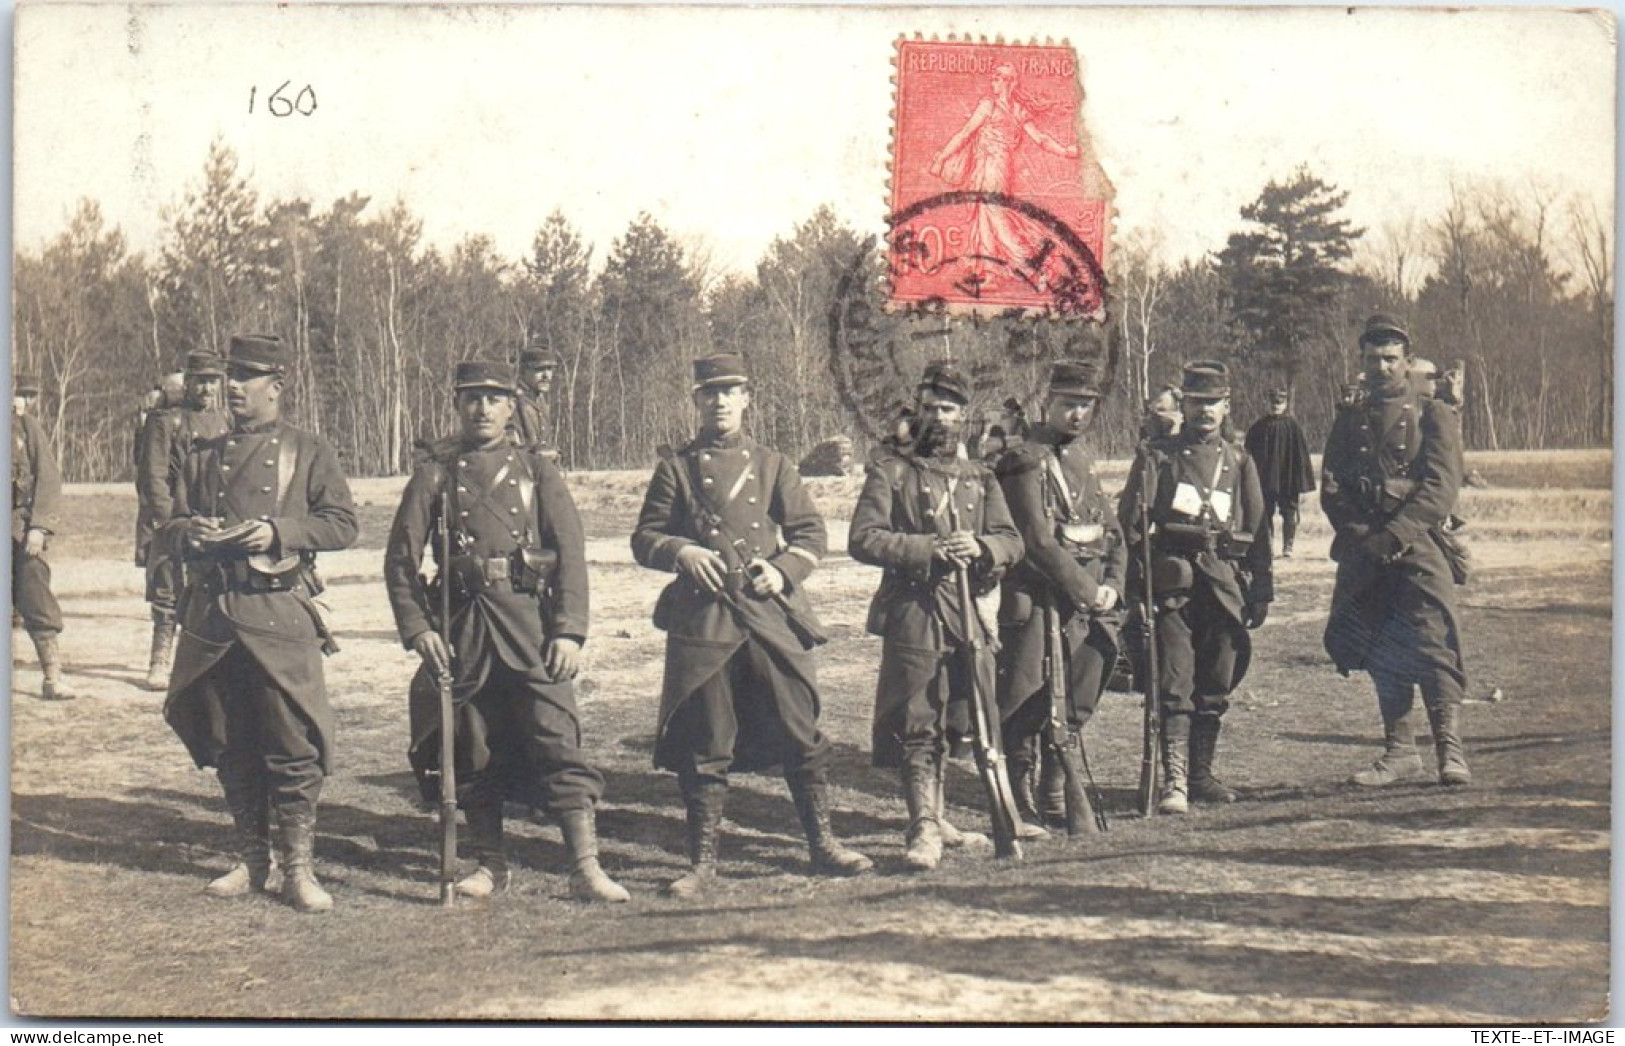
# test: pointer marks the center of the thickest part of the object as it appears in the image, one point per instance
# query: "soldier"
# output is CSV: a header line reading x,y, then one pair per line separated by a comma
x,y
166,438
36,503
732,519
518,575
247,695
533,412
1074,566
1162,414
1276,444
923,514
1389,481
1211,574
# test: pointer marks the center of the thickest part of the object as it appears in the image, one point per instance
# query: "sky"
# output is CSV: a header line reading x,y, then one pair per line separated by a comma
x,y
730,125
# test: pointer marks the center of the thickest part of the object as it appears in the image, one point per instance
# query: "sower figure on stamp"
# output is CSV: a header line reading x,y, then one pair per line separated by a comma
x,y
1211,577
904,523
1073,567
1389,481
36,504
532,424
518,576
1276,444
167,437
732,519
247,693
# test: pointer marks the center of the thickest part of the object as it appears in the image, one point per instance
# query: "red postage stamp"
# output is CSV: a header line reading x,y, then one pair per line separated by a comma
x,y
998,202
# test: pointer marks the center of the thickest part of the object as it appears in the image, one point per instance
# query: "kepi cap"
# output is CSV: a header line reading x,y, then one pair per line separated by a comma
x,y
944,377
1205,380
1278,396
723,368
1382,328
480,374
1075,378
263,353
205,365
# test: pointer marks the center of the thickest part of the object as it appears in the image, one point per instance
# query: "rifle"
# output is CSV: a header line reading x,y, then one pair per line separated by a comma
x,y
448,727
1151,728
1001,799
1064,743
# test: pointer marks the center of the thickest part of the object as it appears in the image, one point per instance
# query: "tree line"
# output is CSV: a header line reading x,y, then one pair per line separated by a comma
x,y
1519,286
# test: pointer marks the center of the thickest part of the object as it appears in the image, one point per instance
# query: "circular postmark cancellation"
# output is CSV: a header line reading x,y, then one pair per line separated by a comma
x,y
1037,264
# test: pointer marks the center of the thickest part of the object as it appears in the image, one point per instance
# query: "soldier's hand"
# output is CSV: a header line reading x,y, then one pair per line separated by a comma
x,y
960,549
260,537
34,543
765,578
1382,546
1254,614
1105,599
434,652
703,567
563,658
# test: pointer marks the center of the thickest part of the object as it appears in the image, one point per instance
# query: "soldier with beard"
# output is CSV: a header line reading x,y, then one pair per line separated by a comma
x,y
923,514
532,424
1212,577
165,441
1074,566
731,518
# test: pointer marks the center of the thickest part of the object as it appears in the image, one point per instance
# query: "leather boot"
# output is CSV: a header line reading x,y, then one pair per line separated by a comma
x,y
1204,787
952,838
704,801
1052,791
1288,532
251,816
491,874
1021,783
588,881
163,637
299,886
1446,720
924,839
1399,758
829,857
1176,735
50,663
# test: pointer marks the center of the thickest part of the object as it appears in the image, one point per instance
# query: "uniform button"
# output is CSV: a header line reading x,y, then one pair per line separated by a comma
x,y
1404,406
1400,446
746,453
225,468
464,513
705,457
756,526
463,464
1065,452
513,510
708,481
1186,452
508,458
513,533
265,490
231,442
751,500
269,462
930,511
273,441
713,532
513,482
461,489
1364,449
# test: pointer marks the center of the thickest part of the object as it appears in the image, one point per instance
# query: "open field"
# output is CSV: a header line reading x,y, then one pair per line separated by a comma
x,y
1308,901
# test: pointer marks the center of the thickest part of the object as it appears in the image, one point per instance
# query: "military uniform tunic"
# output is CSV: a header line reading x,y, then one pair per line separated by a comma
x,y
1202,591
36,503
908,501
167,438
531,426
518,731
1394,463
247,693
1050,483
740,690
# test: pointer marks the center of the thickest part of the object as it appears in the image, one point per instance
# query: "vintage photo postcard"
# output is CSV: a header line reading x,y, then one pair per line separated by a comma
x,y
909,514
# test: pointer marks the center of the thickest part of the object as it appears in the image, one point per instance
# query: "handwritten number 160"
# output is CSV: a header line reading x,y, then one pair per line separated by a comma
x,y
303,103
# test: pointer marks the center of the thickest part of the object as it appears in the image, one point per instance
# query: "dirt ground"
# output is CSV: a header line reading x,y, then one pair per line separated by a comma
x,y
1308,901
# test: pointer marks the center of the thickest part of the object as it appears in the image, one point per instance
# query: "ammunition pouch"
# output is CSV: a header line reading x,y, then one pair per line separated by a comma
x,y
1171,576
1234,544
1186,537
1392,493
260,574
531,569
1082,540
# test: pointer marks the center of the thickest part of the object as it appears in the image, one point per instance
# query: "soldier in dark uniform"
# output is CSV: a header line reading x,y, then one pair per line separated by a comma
x,y
247,695
1211,574
532,423
1278,448
1074,564
1389,481
168,436
732,519
36,505
518,575
924,513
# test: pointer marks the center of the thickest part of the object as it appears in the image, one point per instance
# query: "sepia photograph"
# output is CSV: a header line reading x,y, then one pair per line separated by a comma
x,y
931,515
